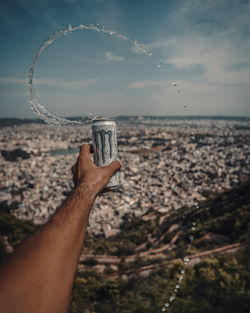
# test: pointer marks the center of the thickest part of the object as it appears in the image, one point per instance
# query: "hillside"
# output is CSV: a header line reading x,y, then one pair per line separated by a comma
x,y
138,269
147,261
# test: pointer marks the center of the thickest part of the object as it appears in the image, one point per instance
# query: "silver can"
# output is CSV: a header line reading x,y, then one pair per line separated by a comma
x,y
105,147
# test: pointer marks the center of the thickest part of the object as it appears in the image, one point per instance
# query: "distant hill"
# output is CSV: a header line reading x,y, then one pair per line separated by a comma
x,y
182,117
17,121
4,122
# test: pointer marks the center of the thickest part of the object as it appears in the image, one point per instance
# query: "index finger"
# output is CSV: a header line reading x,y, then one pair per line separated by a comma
x,y
85,151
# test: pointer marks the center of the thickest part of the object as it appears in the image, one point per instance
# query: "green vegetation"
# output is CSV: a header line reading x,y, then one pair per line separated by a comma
x,y
13,155
219,285
16,230
134,231
226,217
216,284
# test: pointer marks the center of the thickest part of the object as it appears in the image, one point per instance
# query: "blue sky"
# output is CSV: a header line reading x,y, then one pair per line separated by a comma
x,y
204,46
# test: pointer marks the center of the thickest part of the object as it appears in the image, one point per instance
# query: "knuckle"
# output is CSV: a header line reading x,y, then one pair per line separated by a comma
x,y
117,164
84,147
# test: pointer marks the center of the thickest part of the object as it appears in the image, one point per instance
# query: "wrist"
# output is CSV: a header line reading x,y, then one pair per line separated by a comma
x,y
86,189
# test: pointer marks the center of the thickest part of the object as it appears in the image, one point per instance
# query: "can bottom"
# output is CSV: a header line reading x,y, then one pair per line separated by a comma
x,y
111,188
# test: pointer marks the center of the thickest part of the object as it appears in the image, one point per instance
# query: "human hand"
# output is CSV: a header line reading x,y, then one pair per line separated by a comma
x,y
87,174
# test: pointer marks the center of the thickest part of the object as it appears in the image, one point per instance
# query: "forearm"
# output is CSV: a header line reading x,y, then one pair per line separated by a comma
x,y
39,275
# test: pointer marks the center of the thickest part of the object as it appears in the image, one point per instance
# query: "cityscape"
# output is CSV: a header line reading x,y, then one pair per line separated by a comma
x,y
179,218
166,164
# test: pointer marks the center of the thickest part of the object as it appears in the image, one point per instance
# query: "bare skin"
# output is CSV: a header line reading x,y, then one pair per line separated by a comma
x,y
38,277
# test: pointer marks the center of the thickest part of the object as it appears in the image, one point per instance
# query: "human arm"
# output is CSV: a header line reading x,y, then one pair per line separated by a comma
x,y
38,277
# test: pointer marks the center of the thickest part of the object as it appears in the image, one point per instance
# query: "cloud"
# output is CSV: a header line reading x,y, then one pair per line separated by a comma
x,y
110,57
56,82
216,58
212,35
148,83
13,80
70,84
106,58
202,98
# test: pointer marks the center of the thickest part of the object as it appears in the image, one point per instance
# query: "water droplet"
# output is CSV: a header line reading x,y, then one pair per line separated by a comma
x,y
181,278
182,271
175,290
193,228
186,259
191,237
193,137
172,298
163,309
194,223
167,305
177,286
174,83
161,66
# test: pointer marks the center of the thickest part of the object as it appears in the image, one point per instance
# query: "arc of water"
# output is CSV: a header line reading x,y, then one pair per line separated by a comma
x,y
40,109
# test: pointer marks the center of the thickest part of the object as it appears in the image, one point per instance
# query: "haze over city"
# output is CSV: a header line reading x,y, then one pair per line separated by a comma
x,y
203,46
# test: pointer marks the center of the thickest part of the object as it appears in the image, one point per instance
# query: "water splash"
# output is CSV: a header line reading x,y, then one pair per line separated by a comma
x,y
40,109
161,67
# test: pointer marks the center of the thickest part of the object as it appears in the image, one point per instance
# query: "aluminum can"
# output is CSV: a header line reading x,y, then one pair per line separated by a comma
x,y
104,137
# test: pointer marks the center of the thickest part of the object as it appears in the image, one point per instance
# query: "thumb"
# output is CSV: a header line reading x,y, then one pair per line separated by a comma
x,y
112,167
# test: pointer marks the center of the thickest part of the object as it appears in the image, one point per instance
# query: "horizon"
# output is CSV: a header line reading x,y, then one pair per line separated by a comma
x,y
141,116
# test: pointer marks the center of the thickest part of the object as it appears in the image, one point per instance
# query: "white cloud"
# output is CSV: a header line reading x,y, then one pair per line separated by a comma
x,y
202,98
13,80
213,37
110,57
106,58
70,84
56,82
218,58
148,83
